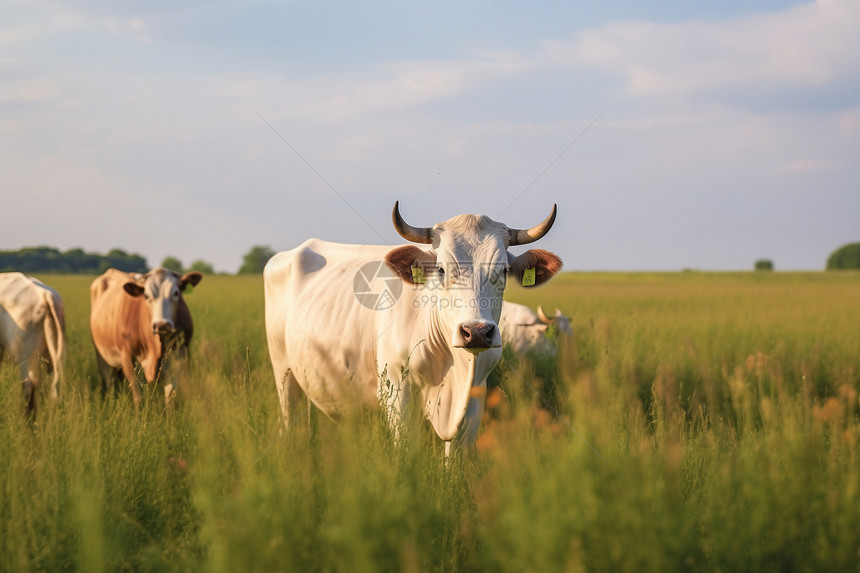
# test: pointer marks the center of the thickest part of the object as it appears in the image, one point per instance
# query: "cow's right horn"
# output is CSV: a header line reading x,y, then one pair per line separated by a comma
x,y
526,236
407,231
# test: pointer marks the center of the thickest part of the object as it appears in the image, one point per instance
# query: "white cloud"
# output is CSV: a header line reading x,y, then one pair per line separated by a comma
x,y
27,91
387,88
809,166
806,45
849,123
30,21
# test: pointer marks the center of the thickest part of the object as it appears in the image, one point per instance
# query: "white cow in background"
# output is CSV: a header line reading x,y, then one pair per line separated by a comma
x,y
32,328
433,331
526,331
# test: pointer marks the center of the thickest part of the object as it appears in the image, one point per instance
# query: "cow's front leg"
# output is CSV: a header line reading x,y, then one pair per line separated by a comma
x,y
394,397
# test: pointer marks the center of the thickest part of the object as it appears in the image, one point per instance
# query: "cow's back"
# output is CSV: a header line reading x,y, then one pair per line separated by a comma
x,y
23,305
114,316
304,285
316,279
49,302
20,307
521,328
57,300
107,288
316,327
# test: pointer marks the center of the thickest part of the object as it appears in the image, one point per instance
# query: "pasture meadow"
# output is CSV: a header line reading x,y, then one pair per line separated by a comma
x,y
693,422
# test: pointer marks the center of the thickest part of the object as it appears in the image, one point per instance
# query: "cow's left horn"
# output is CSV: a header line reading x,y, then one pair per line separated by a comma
x,y
407,231
524,237
542,316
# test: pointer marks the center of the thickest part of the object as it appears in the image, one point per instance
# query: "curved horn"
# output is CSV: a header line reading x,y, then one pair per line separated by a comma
x,y
542,316
524,237
407,231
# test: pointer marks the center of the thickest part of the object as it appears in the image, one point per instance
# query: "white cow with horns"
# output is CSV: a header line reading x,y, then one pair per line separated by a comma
x,y
526,331
437,321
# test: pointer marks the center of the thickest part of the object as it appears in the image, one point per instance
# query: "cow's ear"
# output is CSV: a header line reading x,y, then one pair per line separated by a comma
x,y
133,289
191,278
544,264
402,259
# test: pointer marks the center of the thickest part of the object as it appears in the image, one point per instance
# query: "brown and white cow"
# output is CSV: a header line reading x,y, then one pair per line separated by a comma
x,y
32,328
140,318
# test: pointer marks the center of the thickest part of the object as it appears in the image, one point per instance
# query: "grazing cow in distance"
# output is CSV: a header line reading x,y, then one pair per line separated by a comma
x,y
526,331
432,330
140,318
32,328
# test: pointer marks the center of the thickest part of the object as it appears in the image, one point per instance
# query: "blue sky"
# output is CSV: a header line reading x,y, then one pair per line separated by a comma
x,y
697,134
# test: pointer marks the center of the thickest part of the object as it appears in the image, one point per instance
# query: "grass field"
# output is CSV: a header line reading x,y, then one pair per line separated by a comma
x,y
694,422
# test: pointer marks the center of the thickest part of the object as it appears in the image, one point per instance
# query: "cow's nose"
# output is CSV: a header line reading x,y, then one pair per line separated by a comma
x,y
162,326
477,335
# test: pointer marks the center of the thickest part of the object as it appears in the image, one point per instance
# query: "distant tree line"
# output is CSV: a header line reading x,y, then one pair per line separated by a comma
x,y
252,262
73,261
76,261
199,265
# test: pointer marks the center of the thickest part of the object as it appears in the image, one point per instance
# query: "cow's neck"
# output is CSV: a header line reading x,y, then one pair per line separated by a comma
x,y
445,402
429,351
438,334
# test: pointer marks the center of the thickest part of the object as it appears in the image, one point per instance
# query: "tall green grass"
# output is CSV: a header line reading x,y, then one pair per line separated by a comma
x,y
700,422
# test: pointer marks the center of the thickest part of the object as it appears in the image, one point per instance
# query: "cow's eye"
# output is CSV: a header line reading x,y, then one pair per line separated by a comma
x,y
441,272
175,294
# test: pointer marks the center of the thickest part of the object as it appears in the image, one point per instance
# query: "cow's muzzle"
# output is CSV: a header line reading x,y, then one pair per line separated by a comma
x,y
476,336
162,327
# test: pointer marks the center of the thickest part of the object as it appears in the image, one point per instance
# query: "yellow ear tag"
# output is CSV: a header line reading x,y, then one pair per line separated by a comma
x,y
189,288
418,276
529,277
